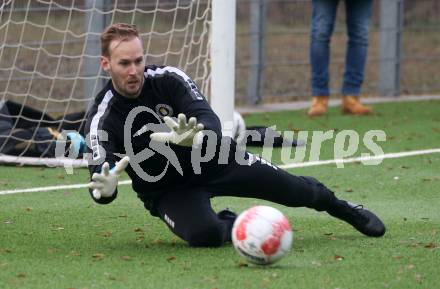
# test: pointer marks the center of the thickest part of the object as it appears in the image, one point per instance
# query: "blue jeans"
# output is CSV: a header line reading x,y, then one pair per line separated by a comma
x,y
358,13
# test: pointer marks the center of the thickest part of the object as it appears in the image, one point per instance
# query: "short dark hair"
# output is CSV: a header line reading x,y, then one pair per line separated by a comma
x,y
117,31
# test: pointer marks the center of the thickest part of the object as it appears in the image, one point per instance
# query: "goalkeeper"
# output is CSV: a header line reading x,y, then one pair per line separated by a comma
x,y
121,136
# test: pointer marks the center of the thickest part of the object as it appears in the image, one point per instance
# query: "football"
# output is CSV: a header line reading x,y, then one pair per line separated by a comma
x,y
262,235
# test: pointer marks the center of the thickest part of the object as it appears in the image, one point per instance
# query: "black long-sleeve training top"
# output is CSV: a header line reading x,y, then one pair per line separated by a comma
x,y
167,91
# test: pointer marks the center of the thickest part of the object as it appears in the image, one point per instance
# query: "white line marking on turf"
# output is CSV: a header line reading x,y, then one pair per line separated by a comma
x,y
54,188
287,166
361,159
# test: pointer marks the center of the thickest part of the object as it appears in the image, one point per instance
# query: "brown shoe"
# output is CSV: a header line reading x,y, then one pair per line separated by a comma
x,y
352,105
319,106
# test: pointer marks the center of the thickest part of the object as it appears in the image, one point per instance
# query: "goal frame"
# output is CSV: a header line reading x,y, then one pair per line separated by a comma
x,y
221,76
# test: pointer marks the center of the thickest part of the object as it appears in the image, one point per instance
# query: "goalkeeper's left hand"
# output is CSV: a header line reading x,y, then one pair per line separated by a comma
x,y
182,133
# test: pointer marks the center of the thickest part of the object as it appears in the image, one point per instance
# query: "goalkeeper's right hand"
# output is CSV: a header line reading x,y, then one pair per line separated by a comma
x,y
105,183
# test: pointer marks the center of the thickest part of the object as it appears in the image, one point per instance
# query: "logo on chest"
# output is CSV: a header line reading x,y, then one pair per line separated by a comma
x,y
164,110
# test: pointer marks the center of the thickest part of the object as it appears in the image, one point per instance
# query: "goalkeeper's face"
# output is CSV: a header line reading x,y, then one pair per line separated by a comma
x,y
126,66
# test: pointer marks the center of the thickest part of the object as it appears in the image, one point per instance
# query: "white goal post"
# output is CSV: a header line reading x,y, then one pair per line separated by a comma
x,y
49,61
223,60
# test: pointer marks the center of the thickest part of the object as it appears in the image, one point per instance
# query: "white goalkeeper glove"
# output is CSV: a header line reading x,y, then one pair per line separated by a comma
x,y
105,183
182,133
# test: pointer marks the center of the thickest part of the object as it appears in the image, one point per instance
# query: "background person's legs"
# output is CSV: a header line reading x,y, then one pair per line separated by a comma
x,y
358,18
323,21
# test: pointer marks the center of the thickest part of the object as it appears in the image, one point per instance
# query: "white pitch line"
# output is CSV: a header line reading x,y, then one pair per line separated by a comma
x,y
54,188
361,159
287,166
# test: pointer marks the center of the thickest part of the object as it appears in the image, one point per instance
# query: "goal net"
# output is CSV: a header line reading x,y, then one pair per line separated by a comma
x,y
50,62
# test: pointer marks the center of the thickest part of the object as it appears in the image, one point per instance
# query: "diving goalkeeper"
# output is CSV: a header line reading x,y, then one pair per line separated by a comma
x,y
125,132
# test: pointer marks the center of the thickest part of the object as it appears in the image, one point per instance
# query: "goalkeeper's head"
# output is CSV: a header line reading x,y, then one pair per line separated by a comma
x,y
122,57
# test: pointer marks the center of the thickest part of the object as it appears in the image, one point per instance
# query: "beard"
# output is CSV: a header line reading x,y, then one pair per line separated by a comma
x,y
130,88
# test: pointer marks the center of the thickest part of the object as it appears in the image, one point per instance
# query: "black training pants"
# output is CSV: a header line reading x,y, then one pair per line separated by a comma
x,y
188,212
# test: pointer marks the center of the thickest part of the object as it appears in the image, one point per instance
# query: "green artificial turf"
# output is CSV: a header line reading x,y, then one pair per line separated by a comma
x,y
62,239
